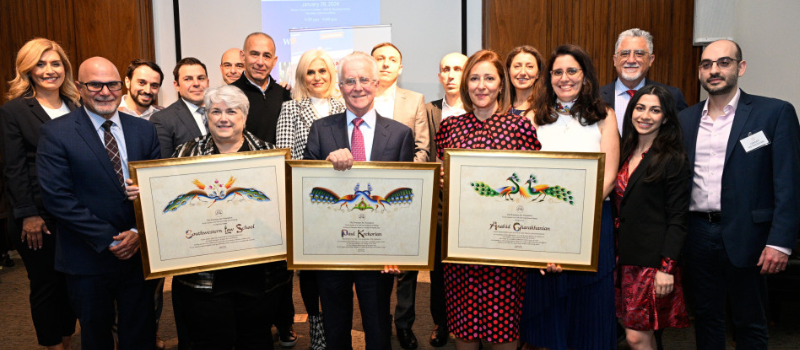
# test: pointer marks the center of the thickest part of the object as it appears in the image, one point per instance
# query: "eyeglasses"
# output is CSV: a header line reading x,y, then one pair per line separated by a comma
x,y
350,82
636,53
722,63
570,71
96,86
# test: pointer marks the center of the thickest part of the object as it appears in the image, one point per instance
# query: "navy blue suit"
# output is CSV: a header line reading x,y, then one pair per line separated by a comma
x,y
393,142
81,190
760,205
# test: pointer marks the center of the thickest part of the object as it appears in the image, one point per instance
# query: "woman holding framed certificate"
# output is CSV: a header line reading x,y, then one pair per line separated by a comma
x,y
575,310
484,302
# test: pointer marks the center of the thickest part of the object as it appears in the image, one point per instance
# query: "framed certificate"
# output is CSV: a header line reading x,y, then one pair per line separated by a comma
x,y
211,212
375,214
522,208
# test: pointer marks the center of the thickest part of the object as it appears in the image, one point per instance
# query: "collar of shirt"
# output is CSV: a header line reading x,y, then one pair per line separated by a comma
x,y
367,129
198,118
448,111
728,110
116,130
620,89
385,102
123,107
264,90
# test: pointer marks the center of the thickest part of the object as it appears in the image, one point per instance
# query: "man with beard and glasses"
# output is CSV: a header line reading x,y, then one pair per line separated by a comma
x,y
745,203
143,81
633,55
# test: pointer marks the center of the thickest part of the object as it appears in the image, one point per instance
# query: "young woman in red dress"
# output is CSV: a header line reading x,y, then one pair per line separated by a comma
x,y
652,197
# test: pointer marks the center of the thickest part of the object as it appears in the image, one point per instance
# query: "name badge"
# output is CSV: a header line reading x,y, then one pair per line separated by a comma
x,y
754,141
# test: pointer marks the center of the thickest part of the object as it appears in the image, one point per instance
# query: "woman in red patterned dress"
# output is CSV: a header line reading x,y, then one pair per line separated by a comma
x,y
485,302
652,196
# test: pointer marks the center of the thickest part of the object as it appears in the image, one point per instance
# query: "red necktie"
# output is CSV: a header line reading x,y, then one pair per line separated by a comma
x,y
357,142
631,92
113,150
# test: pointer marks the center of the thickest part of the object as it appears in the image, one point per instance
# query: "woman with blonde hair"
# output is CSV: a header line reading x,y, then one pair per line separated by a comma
x,y
315,95
43,89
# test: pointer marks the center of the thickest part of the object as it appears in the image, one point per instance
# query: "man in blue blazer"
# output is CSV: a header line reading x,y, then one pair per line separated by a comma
x,y
336,138
633,55
82,162
745,207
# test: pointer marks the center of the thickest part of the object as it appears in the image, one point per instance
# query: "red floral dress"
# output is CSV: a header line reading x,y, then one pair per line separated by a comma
x,y
485,302
638,308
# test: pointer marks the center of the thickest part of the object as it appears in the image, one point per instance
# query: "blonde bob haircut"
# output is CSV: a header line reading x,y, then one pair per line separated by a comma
x,y
27,59
503,96
300,90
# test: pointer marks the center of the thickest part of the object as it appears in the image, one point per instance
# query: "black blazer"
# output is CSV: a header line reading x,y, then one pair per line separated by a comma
x,y
393,141
607,92
176,126
652,215
20,120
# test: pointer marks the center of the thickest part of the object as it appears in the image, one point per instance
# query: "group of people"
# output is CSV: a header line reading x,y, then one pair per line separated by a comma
x,y
714,186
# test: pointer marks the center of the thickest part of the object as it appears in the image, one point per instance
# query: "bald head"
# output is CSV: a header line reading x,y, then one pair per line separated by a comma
x,y
100,72
231,65
450,70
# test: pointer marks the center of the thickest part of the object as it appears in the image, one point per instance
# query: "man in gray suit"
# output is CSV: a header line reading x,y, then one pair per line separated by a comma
x,y
406,107
185,119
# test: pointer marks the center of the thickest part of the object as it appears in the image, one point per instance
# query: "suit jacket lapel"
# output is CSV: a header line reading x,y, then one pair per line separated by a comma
x,y
436,117
690,132
37,109
379,140
87,131
339,131
638,173
307,112
187,118
400,100
739,120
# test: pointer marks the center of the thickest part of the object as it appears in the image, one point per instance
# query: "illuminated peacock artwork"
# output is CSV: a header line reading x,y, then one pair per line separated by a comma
x,y
218,192
529,190
362,200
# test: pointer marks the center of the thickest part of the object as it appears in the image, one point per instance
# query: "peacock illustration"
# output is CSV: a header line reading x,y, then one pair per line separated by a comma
x,y
361,200
506,192
536,192
219,192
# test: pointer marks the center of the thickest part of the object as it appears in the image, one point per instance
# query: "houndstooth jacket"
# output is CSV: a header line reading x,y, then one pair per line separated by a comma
x,y
295,121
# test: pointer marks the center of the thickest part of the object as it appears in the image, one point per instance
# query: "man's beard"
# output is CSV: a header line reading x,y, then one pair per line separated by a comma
x,y
730,84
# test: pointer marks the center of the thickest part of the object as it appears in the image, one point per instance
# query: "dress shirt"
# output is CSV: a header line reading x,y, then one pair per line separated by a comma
x,y
322,106
198,117
448,111
621,99
54,113
146,115
367,130
384,104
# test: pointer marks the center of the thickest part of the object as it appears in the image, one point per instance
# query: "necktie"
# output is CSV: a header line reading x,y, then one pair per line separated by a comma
x,y
113,151
202,111
631,92
357,142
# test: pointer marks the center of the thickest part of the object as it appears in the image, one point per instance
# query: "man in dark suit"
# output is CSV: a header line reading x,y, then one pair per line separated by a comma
x,y
359,134
633,55
183,120
745,207
451,67
82,160
265,94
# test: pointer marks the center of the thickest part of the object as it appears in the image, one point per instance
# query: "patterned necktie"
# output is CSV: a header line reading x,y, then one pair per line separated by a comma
x,y
113,151
631,92
202,111
357,142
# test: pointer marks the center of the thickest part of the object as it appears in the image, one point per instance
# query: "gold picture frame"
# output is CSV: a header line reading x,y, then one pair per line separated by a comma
x,y
522,208
211,212
375,214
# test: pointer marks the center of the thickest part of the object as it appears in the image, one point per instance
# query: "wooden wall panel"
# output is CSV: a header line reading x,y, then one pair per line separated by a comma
x,y
595,25
119,30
